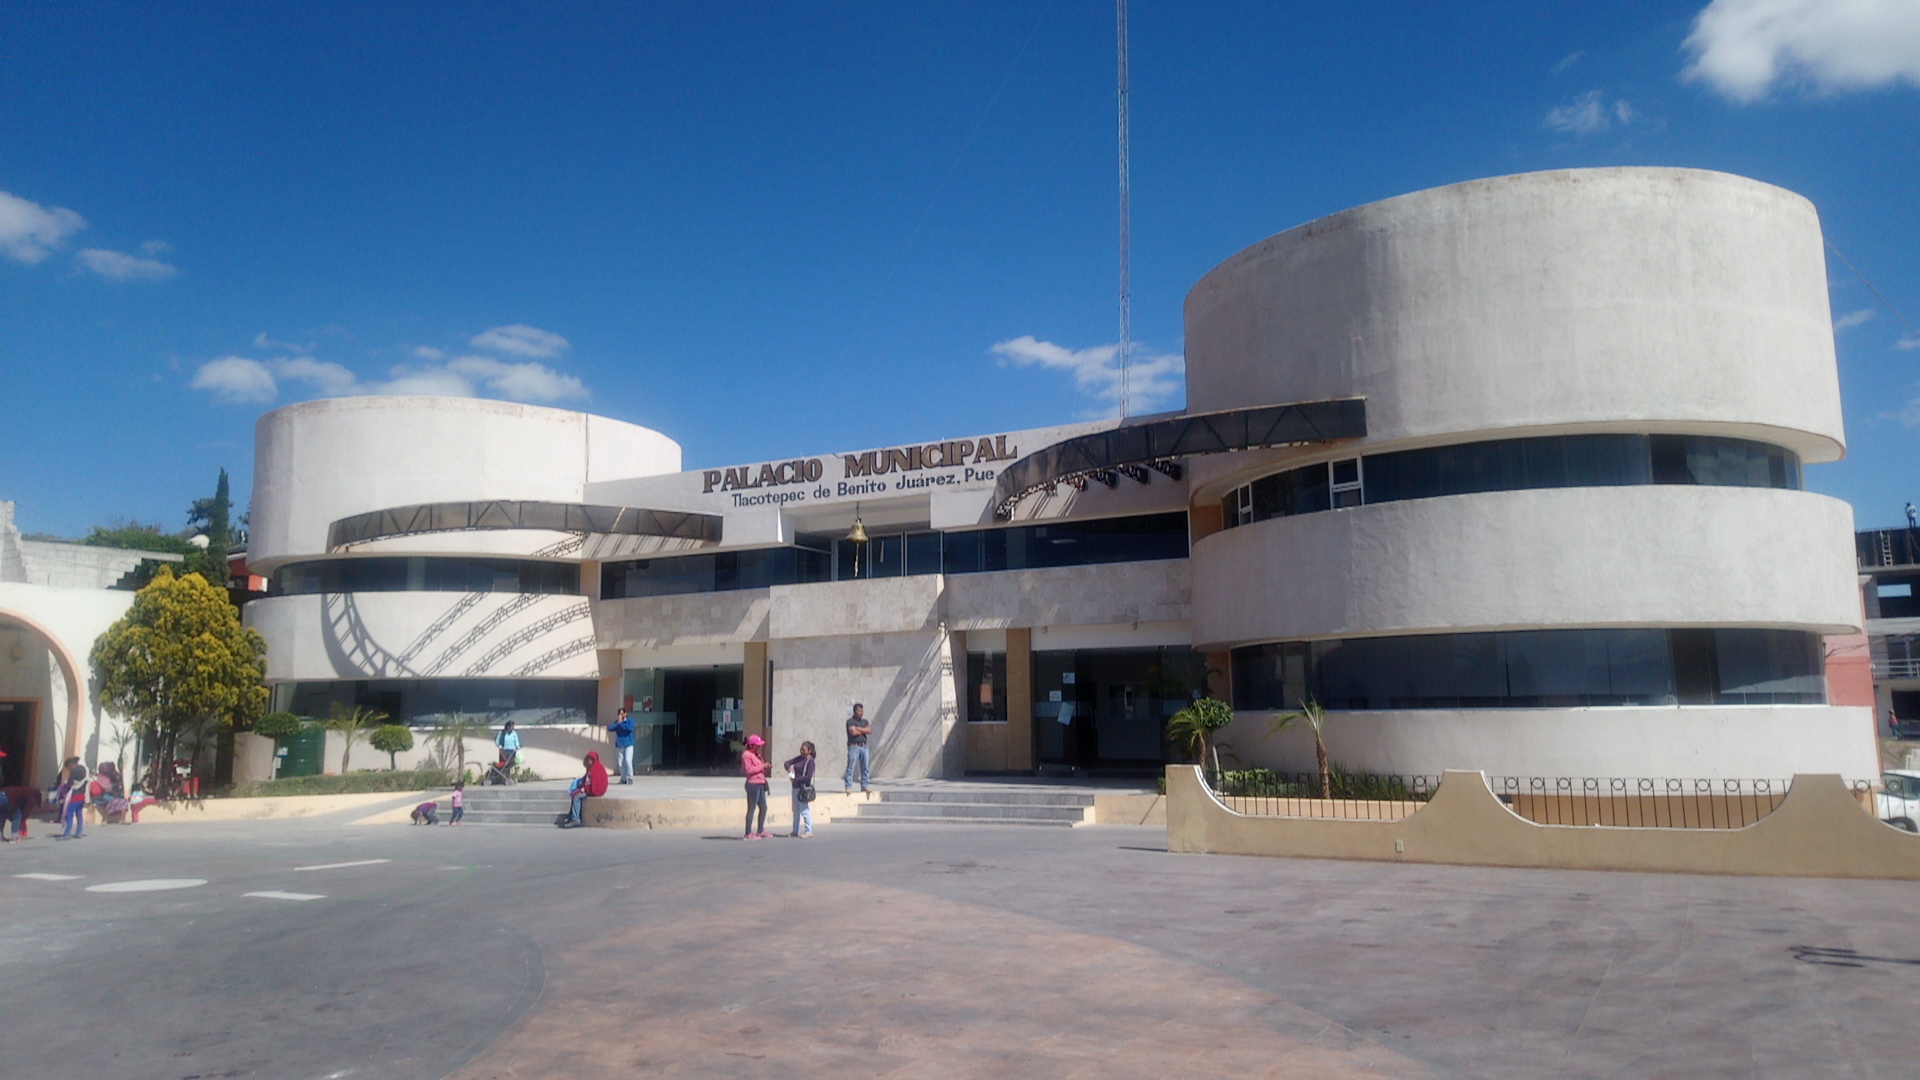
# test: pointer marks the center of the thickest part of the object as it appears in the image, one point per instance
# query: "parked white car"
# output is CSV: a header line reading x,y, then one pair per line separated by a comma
x,y
1898,801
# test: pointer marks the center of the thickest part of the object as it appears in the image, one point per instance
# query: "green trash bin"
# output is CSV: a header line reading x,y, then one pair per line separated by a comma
x,y
301,755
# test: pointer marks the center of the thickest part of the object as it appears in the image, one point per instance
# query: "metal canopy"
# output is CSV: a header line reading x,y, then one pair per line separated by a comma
x,y
1105,456
494,514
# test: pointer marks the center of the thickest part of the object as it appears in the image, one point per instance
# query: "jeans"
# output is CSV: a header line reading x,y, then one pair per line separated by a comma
x,y
756,799
19,819
625,754
579,800
802,817
857,755
73,819
458,813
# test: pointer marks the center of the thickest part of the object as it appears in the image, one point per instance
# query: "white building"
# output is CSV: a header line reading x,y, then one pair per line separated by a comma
x,y
1507,474
55,601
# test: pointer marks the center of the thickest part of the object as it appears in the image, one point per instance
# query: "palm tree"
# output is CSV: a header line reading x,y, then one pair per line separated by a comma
x,y
1316,718
352,724
1194,726
451,735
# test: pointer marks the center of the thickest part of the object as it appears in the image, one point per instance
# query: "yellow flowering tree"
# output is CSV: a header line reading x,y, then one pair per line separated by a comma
x,y
177,660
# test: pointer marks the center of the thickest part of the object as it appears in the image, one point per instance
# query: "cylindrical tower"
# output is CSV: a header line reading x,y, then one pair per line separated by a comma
x,y
494,622
1575,540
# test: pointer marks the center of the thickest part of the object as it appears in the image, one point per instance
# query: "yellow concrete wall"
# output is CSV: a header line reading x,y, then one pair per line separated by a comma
x,y
1819,830
1129,809
283,806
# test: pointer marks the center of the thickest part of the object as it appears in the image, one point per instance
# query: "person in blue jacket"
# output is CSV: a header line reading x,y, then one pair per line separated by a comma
x,y
622,728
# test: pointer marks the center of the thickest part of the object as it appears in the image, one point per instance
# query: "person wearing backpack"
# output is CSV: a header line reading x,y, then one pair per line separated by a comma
x,y
800,771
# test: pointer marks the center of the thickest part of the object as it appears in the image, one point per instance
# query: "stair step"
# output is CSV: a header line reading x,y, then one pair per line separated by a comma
x,y
988,798
865,820
984,811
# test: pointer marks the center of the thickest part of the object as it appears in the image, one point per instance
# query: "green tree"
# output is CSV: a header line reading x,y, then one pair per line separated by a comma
x,y
214,516
450,737
353,725
177,660
1316,718
392,740
1194,726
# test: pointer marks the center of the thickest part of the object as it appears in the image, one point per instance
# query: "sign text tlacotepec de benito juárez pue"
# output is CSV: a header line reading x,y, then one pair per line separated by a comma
x,y
860,472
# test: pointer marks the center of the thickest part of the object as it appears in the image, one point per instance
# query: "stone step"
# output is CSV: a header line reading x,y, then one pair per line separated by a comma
x,y
991,798
509,817
863,819
981,811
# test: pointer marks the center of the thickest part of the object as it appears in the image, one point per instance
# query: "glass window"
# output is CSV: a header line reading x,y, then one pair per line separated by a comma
x,y
986,687
923,553
721,571
426,574
1071,543
1535,669
1515,465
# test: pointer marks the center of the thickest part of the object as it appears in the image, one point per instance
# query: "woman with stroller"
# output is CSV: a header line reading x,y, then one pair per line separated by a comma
x,y
755,769
800,771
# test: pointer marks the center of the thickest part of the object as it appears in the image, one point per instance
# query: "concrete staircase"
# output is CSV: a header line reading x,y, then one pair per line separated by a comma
x,y
508,805
975,806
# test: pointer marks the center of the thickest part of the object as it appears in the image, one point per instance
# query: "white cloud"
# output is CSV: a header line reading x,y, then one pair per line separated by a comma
x,y
262,341
522,340
329,378
429,382
153,249
1156,378
1908,343
1588,114
1852,319
521,382
1568,61
428,352
116,266
236,380
29,232
1742,48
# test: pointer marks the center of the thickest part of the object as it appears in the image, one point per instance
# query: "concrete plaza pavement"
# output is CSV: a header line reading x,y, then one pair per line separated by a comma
x,y
934,951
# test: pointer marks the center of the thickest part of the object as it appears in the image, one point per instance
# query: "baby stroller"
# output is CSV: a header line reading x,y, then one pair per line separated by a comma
x,y
500,772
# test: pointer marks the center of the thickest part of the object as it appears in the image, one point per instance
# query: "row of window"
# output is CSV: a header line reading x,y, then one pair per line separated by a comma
x,y
1556,461
1535,669
1022,547
426,573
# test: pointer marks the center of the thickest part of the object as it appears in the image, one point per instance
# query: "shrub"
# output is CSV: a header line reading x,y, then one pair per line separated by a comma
x,y
350,784
279,725
391,739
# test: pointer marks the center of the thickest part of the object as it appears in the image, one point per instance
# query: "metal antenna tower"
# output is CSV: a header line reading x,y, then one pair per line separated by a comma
x,y
1126,224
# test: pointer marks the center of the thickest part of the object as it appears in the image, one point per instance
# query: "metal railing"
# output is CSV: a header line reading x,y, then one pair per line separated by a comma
x,y
1354,797
1623,802
1640,802
1904,668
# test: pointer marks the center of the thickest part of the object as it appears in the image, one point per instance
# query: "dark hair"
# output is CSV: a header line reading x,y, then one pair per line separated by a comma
x,y
459,785
509,723
857,705
807,749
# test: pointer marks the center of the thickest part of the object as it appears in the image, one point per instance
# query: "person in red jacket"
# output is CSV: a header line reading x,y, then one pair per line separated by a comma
x,y
590,786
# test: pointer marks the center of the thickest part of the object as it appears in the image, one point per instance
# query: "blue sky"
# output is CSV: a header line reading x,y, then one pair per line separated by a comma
x,y
767,229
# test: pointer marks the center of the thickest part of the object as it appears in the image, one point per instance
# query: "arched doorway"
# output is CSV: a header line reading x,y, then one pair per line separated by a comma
x,y
24,728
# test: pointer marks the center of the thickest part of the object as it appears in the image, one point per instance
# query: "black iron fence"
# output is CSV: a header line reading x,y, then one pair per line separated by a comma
x,y
1625,802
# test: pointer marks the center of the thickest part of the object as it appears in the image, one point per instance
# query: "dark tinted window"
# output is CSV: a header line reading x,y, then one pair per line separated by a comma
x,y
720,571
1073,543
1519,465
1535,669
426,574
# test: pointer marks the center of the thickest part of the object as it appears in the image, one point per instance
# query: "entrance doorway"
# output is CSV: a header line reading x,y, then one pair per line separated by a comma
x,y
16,738
1105,710
686,719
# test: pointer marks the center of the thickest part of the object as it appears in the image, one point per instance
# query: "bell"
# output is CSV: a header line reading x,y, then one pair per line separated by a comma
x,y
857,534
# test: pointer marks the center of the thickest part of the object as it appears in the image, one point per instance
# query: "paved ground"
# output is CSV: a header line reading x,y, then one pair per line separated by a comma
x,y
486,952
673,786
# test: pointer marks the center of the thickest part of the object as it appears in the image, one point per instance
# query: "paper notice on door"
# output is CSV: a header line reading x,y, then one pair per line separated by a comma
x,y
1066,712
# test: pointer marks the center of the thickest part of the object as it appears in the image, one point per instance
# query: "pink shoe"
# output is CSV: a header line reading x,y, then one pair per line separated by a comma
x,y
763,836
749,836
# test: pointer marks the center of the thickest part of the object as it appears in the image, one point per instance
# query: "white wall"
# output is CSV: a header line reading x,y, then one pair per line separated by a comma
x,y
1577,557
1702,742
1668,297
425,634
75,618
319,461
